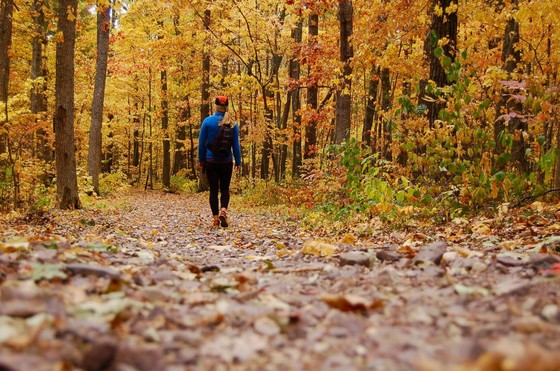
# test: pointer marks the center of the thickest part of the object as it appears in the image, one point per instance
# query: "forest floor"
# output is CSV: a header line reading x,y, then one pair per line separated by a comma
x,y
146,284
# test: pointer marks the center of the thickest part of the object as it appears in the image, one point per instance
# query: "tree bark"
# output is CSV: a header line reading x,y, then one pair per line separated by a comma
x,y
166,176
371,109
180,159
6,14
515,127
310,145
444,26
205,105
95,136
343,94
295,71
38,98
66,178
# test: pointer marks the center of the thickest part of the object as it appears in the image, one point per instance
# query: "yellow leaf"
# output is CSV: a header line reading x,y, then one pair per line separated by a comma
x,y
350,303
318,248
348,239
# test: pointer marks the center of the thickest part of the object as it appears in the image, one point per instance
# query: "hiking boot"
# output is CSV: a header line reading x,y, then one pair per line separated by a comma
x,y
216,223
223,219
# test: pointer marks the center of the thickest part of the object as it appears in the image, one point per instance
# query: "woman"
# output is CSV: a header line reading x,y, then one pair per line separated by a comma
x,y
218,168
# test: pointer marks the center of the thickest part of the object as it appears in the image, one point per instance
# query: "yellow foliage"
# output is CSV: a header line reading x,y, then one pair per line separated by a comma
x,y
318,248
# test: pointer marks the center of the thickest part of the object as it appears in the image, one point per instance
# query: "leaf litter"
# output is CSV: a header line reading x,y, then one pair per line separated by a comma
x,y
151,286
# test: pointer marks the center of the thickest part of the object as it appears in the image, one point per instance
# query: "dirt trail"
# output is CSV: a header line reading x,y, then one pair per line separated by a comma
x,y
151,287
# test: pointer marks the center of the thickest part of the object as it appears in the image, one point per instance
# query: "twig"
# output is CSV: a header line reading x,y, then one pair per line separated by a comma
x,y
296,270
532,197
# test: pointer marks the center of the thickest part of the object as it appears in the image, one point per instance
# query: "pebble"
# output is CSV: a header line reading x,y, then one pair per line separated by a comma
x,y
387,255
355,258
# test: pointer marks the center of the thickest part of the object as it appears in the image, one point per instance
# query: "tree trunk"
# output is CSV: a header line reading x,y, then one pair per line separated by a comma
x,y
310,145
385,106
205,105
444,26
296,105
166,176
95,137
6,14
38,98
511,57
179,162
38,69
371,102
343,96
66,179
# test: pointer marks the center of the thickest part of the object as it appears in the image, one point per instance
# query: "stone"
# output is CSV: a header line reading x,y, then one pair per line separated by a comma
x,y
509,261
355,258
431,253
388,255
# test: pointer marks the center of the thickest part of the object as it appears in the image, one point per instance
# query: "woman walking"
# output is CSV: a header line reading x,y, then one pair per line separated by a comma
x,y
218,136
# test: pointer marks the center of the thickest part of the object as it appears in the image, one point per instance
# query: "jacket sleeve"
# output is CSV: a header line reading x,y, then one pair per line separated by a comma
x,y
202,138
236,146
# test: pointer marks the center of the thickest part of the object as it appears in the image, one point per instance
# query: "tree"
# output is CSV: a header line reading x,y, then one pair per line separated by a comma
x,y
66,178
510,107
343,96
95,135
443,36
38,98
6,14
295,69
312,92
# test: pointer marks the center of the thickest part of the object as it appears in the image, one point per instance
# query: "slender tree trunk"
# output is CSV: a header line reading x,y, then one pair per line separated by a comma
x,y
444,26
511,57
205,105
66,178
179,162
95,137
310,145
166,176
150,174
343,95
371,103
385,106
295,71
267,144
6,18
38,98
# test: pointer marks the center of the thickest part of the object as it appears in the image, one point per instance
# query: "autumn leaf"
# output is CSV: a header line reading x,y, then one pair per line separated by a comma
x,y
318,248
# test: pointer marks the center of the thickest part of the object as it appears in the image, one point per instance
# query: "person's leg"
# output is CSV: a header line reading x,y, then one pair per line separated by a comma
x,y
212,172
225,174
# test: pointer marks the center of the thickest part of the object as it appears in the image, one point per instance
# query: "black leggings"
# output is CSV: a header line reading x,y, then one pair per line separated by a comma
x,y
219,177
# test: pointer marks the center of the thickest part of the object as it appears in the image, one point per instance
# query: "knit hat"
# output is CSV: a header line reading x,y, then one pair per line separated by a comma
x,y
221,100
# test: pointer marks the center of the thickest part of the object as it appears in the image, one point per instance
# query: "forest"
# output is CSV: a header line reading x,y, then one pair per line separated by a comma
x,y
396,208
422,107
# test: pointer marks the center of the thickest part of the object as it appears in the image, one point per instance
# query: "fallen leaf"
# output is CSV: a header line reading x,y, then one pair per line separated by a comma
x,y
350,302
318,248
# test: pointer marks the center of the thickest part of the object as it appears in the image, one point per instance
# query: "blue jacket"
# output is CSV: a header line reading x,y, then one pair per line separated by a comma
x,y
208,132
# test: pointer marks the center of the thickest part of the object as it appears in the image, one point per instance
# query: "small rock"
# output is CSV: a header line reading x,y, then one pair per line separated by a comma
x,y
355,258
509,261
550,312
543,261
479,266
95,270
387,255
449,257
431,253
139,357
266,326
100,356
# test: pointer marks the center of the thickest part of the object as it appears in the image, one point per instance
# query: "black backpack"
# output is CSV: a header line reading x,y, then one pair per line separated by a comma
x,y
223,142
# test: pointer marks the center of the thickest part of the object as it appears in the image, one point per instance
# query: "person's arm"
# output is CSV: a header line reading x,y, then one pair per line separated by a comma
x,y
236,146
